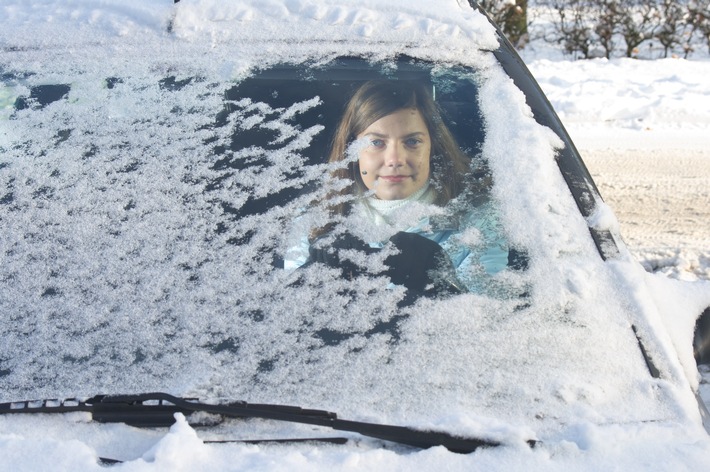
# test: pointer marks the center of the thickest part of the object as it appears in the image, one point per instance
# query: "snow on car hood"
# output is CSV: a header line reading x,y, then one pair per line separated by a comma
x,y
135,257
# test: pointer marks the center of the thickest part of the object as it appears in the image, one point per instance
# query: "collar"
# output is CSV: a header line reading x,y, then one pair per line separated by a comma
x,y
385,207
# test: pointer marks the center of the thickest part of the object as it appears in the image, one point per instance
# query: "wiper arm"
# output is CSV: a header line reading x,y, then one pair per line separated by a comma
x,y
158,409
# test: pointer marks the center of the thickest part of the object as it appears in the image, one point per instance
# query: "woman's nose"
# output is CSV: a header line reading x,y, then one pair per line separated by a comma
x,y
394,156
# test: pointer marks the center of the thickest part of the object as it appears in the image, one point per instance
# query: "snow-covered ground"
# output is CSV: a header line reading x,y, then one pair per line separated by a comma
x,y
643,128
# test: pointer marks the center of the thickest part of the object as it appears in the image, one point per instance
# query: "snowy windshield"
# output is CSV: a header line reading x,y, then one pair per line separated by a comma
x,y
174,231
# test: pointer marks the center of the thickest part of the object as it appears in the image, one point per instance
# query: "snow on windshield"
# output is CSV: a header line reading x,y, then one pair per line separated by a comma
x,y
141,253
148,207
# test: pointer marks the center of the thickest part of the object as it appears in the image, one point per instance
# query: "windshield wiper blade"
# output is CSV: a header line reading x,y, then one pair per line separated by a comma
x,y
157,409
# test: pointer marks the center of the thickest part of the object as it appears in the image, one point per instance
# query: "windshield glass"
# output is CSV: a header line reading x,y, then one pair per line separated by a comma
x,y
264,239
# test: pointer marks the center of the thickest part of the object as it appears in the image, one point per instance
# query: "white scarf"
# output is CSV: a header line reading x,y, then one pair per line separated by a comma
x,y
379,210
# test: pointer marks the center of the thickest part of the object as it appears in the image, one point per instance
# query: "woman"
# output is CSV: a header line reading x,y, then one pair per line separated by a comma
x,y
377,105
394,152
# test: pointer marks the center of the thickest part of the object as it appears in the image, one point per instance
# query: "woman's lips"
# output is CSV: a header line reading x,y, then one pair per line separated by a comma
x,y
394,179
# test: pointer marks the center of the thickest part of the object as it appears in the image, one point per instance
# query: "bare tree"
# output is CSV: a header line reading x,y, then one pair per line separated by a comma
x,y
673,23
605,16
637,22
572,29
699,19
511,16
608,28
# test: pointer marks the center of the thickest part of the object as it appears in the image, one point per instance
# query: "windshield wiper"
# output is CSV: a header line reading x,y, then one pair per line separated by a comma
x,y
158,409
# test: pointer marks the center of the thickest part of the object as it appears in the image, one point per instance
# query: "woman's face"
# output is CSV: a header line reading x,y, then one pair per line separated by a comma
x,y
395,159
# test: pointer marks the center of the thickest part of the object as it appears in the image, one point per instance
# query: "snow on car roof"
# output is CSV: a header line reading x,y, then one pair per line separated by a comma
x,y
403,22
362,26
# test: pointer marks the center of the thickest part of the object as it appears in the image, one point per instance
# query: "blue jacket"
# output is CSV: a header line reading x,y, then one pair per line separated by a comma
x,y
475,245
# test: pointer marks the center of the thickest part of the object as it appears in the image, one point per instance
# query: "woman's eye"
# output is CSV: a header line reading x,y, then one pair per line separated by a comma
x,y
412,142
378,143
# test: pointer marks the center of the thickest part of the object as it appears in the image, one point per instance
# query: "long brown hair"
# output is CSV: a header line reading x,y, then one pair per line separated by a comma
x,y
375,100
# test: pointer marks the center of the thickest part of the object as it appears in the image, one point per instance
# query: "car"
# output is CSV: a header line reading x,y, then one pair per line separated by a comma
x,y
194,237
